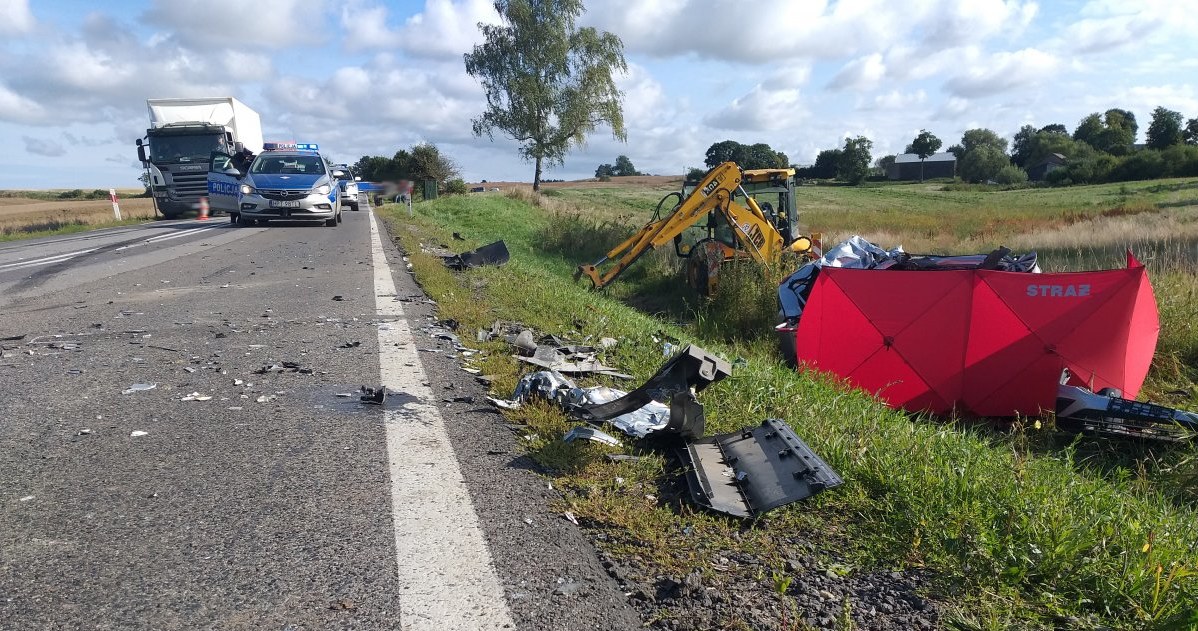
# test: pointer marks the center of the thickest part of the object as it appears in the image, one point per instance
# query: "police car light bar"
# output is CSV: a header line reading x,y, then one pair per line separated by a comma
x,y
290,146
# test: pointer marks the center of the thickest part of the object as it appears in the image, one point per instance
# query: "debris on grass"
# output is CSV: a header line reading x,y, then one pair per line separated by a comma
x,y
491,254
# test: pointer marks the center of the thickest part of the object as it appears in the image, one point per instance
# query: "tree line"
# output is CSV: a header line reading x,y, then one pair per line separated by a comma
x,y
421,162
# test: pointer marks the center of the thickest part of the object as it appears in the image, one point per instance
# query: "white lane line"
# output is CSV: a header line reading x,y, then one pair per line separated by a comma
x,y
446,578
167,237
59,258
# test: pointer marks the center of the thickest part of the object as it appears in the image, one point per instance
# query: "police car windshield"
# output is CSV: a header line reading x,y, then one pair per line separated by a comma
x,y
305,165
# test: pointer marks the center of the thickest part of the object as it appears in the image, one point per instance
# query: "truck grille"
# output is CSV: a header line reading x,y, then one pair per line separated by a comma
x,y
191,186
282,194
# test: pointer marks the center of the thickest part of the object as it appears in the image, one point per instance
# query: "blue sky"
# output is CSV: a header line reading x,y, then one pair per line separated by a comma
x,y
366,77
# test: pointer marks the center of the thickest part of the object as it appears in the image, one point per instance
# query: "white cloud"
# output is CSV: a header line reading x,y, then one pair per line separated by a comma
x,y
444,29
895,101
1004,71
762,109
1108,26
276,24
15,17
43,147
859,74
19,109
788,29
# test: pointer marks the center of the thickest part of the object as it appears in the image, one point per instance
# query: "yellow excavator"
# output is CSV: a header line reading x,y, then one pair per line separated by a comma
x,y
737,227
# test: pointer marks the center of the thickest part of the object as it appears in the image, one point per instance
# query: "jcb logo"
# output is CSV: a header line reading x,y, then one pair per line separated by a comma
x,y
1057,291
756,237
711,186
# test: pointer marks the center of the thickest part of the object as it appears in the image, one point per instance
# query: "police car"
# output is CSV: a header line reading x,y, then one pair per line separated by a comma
x,y
349,186
286,181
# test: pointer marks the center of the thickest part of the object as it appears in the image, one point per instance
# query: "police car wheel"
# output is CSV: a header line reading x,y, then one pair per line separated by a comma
x,y
233,217
332,222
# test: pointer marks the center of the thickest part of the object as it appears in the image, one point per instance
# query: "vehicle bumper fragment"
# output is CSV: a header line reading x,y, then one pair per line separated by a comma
x,y
752,471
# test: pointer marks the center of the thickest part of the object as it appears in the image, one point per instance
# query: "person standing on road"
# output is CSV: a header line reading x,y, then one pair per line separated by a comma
x,y
242,160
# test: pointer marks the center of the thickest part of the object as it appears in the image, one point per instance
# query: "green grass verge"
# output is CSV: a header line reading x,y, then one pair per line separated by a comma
x,y
55,227
1025,528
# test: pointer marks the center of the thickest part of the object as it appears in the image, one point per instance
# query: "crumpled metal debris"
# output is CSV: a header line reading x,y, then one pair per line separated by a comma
x,y
590,433
675,383
857,253
553,353
556,388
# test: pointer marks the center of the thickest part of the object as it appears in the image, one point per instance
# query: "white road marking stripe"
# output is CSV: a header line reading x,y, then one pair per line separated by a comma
x,y
446,578
167,237
59,258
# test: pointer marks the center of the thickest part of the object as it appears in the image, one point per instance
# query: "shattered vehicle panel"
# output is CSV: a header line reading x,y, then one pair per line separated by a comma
x,y
552,386
687,373
1107,413
750,472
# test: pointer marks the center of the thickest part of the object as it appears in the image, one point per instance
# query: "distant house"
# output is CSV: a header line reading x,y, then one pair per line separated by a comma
x,y
907,166
1039,172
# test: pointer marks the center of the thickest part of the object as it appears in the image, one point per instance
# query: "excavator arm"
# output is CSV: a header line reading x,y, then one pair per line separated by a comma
x,y
714,193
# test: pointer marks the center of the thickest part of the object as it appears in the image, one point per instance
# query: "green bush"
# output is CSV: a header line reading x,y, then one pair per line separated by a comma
x,y
455,186
1010,174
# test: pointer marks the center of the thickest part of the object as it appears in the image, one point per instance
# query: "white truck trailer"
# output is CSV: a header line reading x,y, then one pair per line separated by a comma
x,y
182,135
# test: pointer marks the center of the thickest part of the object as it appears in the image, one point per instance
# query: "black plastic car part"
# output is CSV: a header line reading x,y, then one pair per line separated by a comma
x,y
752,471
490,254
674,384
1107,413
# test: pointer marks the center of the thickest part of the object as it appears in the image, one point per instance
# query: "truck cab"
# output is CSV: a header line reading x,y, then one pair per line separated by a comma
x,y
183,135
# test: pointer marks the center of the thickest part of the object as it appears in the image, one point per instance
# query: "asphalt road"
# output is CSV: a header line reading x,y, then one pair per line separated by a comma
x,y
273,504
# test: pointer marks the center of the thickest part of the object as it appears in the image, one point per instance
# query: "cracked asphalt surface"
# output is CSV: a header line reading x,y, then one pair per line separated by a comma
x,y
267,505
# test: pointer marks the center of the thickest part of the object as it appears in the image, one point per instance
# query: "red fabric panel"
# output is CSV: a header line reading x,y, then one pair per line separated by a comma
x,y
887,375
1142,336
833,334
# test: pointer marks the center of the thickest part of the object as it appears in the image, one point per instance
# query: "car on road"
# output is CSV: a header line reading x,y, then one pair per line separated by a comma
x,y
349,186
286,181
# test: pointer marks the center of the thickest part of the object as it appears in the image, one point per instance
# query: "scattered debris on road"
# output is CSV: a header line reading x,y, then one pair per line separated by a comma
x,y
137,432
373,396
139,387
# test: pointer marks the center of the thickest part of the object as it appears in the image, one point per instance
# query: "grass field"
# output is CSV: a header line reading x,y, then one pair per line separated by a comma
x,y
1023,527
27,214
